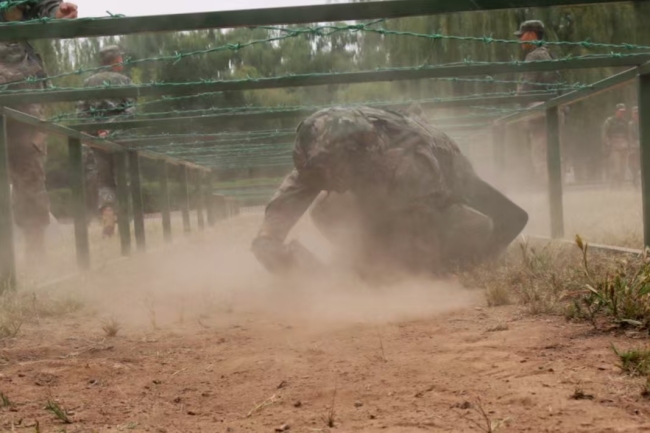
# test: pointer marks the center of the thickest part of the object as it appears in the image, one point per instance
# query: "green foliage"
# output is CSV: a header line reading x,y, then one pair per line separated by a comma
x,y
352,51
621,295
635,362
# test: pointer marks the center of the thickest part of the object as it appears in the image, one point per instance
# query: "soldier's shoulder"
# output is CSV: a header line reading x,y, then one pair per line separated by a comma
x,y
107,77
539,54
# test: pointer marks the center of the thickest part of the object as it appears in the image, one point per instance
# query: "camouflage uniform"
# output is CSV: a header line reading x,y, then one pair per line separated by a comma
x,y
100,177
399,193
27,147
537,127
634,159
616,139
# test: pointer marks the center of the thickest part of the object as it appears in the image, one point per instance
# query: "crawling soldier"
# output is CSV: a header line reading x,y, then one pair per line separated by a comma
x,y
399,195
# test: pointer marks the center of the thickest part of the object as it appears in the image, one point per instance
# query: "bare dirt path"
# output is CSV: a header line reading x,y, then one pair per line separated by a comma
x,y
210,343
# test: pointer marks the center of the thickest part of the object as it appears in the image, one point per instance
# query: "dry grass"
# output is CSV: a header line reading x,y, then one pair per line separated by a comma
x,y
601,289
111,327
635,362
19,308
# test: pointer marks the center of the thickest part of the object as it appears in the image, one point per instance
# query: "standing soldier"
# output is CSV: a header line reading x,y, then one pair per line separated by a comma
x,y
533,32
634,160
100,176
27,147
616,141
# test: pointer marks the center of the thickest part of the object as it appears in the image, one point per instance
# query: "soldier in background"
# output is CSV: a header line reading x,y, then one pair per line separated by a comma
x,y
100,176
616,142
27,148
634,160
533,31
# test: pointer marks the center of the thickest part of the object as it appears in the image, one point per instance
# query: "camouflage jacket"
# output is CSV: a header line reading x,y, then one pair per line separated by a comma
x,y
634,132
615,127
106,108
391,162
546,77
18,60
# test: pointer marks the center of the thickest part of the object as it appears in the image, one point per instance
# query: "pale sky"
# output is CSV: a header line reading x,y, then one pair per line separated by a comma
x,y
99,8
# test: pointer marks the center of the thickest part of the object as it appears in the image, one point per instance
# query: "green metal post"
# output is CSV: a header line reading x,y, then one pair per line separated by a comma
x,y
554,164
7,253
164,201
209,199
136,199
200,218
644,136
78,189
185,200
122,202
498,149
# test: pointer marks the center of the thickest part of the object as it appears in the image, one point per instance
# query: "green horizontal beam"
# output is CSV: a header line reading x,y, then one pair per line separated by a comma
x,y
223,120
105,145
62,131
213,149
260,17
621,79
198,143
425,72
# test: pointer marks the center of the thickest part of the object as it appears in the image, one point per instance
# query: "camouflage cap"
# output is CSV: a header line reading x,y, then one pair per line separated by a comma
x,y
109,54
621,107
531,26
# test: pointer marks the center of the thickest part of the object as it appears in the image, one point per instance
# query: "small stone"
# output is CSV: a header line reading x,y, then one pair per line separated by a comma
x,y
283,427
297,404
358,404
177,400
157,382
191,412
371,416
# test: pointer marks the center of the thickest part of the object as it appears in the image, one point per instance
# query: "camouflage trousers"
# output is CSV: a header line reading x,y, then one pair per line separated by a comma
x,y
420,239
100,179
27,151
617,161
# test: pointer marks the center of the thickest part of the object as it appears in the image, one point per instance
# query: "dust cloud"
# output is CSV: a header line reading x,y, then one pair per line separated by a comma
x,y
216,280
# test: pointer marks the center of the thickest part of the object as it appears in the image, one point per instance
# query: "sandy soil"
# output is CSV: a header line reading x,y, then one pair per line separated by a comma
x,y
209,342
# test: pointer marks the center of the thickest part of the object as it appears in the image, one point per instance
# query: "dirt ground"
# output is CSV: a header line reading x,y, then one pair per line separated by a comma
x,y
209,342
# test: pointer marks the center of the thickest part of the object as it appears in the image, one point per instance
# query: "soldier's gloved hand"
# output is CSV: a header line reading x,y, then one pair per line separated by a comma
x,y
273,254
278,258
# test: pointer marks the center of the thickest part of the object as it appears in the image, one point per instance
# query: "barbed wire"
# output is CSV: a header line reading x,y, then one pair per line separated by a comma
x,y
425,67
587,43
96,114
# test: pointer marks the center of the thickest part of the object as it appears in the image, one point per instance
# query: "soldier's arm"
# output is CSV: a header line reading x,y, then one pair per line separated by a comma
x,y
44,9
129,103
605,132
283,211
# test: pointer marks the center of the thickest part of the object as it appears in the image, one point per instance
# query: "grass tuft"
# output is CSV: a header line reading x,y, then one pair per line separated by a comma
x,y
635,362
603,290
58,411
111,328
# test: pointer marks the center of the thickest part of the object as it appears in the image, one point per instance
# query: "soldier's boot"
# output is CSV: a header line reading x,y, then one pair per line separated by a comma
x,y
35,246
507,219
109,220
